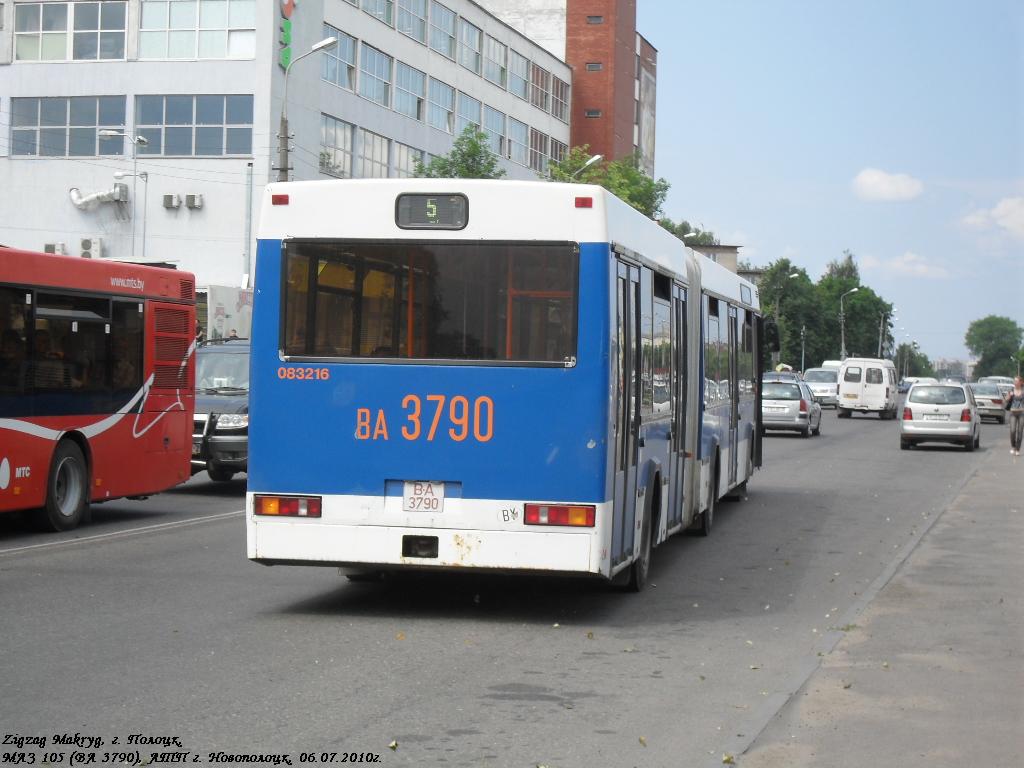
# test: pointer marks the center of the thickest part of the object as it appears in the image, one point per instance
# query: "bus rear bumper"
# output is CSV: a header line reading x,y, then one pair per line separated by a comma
x,y
305,542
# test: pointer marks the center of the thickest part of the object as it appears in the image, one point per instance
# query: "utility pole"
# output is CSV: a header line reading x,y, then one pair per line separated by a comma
x,y
803,347
283,137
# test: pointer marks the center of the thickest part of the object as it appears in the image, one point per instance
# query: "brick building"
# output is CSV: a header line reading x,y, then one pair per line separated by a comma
x,y
614,69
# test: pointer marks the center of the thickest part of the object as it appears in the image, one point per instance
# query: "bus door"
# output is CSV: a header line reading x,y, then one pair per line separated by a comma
x,y
679,382
627,409
734,397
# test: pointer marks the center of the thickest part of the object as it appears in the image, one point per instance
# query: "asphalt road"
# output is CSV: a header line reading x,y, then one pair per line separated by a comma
x,y
152,621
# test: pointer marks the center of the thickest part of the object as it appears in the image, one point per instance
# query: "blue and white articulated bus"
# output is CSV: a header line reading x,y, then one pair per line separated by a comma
x,y
493,375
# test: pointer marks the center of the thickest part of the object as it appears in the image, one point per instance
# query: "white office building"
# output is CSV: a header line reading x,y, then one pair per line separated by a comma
x,y
146,129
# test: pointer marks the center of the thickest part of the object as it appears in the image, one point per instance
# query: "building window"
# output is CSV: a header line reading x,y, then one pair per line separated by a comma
x,y
67,127
442,30
470,46
518,142
410,90
412,19
375,77
469,113
594,66
374,156
592,113
382,9
495,61
336,147
595,19
185,29
538,151
558,151
441,106
518,74
560,99
406,158
69,31
195,125
494,127
540,87
340,61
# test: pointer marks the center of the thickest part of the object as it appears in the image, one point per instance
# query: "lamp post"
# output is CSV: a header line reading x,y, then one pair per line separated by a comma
x,y
842,323
282,147
136,141
145,201
776,356
593,159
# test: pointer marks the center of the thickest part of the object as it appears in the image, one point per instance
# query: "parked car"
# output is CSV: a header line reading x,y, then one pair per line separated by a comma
x,y
824,385
220,431
942,413
868,385
790,406
990,401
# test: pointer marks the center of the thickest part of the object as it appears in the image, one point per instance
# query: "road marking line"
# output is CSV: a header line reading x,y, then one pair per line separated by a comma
x,y
121,534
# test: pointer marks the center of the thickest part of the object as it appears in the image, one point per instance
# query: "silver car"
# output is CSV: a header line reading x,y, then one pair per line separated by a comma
x,y
989,398
824,385
790,406
940,413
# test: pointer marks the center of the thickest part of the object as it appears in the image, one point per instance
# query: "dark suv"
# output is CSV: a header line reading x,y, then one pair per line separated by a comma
x,y
220,432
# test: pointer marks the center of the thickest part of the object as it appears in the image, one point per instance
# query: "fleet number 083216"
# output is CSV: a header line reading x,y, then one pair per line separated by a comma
x,y
454,417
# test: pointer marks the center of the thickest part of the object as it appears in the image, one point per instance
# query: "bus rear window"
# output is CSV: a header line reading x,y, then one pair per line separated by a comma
x,y
434,300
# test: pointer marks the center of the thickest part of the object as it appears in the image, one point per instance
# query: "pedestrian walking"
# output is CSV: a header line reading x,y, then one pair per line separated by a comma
x,y
1015,405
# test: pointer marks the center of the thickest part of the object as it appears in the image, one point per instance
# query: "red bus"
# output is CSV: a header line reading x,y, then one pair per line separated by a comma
x,y
97,368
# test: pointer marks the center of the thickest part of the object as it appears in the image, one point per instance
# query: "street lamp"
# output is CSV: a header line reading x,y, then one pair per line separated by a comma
x,y
136,141
145,201
842,323
776,356
593,159
282,150
881,328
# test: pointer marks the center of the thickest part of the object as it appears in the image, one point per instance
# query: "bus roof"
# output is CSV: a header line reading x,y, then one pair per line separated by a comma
x,y
44,270
499,210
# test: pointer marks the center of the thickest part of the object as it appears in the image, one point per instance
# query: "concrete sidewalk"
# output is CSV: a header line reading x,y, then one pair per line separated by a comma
x,y
933,672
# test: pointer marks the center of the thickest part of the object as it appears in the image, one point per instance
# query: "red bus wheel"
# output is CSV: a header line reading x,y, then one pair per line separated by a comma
x,y
67,489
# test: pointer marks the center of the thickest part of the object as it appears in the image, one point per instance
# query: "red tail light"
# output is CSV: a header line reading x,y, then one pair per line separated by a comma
x,y
288,506
560,514
908,415
803,406
965,414
584,202
997,402
279,199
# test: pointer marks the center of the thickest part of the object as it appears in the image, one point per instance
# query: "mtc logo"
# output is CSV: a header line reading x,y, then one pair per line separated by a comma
x,y
5,473
287,9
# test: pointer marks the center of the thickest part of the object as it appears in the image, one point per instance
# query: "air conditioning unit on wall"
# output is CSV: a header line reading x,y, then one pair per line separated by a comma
x,y
194,201
172,201
58,249
91,247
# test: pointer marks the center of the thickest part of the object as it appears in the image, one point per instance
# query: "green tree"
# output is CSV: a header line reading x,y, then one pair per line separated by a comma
x,y
684,228
471,158
623,178
995,341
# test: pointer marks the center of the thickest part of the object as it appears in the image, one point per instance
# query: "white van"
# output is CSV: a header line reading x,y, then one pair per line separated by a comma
x,y
868,385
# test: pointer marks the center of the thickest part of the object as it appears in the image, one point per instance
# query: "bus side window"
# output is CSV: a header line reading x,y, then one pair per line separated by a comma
x,y
13,351
126,347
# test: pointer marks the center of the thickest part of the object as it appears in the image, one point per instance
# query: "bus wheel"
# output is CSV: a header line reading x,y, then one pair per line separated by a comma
x,y
218,473
640,568
67,489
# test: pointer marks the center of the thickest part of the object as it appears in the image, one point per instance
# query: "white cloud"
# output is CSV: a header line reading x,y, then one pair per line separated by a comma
x,y
873,184
908,265
1008,214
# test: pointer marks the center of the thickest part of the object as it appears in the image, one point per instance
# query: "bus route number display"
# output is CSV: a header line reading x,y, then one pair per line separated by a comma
x,y
415,211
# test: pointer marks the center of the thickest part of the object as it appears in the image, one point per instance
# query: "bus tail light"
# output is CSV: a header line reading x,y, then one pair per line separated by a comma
x,y
288,506
578,515
908,415
584,202
965,414
279,199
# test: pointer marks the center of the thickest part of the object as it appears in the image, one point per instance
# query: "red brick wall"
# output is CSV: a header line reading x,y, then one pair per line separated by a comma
x,y
610,90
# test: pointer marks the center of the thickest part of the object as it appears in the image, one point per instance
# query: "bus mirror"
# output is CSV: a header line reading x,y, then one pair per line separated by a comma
x,y
771,334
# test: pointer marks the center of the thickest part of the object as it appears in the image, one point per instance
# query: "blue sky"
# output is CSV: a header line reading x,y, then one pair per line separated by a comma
x,y
894,129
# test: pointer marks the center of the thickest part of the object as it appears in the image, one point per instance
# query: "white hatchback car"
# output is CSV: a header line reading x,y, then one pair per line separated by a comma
x,y
940,413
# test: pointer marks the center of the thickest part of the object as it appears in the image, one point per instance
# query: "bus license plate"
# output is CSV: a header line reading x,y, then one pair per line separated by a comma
x,y
423,496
